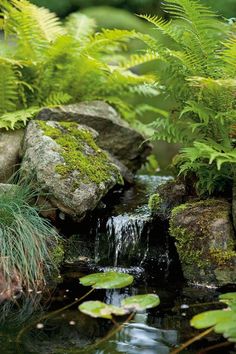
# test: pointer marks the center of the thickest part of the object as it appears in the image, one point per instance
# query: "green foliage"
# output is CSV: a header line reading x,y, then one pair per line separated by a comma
x,y
26,239
114,280
199,68
140,302
46,63
63,7
154,202
108,280
100,309
223,321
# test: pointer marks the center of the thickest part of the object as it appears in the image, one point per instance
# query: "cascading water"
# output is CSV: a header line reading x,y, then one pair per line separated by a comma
x,y
124,234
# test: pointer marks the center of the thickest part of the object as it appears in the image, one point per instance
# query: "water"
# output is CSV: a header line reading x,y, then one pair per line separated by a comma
x,y
120,236
123,234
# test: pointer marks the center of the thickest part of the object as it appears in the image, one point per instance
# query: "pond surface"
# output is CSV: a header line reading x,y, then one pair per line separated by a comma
x,y
120,236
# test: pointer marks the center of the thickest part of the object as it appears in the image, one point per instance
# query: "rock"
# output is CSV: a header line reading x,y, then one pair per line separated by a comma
x,y
115,135
65,161
234,205
205,241
168,196
10,143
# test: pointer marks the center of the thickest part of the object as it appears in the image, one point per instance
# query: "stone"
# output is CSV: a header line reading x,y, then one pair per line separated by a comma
x,y
205,241
115,135
64,160
234,205
168,195
10,143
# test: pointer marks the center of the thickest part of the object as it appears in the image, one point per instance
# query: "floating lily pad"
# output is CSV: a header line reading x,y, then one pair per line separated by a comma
x,y
140,302
223,321
108,280
99,309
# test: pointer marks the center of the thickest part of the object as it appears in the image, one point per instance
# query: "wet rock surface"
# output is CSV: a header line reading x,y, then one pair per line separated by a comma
x,y
115,135
205,241
65,162
10,143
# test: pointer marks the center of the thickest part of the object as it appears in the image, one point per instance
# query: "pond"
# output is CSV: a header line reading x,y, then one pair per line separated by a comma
x,y
123,236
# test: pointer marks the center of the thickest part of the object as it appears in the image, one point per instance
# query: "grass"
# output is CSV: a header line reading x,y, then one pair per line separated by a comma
x,y
26,241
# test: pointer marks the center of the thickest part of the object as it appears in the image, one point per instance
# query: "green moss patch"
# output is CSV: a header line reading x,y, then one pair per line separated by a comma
x,y
80,153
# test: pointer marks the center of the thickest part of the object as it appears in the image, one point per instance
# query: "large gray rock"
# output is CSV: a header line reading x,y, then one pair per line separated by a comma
x,y
65,162
234,205
115,135
205,241
10,142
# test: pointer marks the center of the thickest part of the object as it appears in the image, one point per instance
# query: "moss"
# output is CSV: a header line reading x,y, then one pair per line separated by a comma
x,y
179,208
154,202
191,246
57,253
222,257
80,153
186,246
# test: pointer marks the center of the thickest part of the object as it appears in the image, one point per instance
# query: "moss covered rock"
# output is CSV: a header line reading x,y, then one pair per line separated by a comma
x,y
115,135
205,241
66,162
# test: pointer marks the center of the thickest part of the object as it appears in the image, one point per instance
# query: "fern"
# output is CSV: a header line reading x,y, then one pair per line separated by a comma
x,y
199,75
50,63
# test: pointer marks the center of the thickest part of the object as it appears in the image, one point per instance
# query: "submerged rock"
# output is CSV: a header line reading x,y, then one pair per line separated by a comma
x,y
205,241
115,135
65,161
10,142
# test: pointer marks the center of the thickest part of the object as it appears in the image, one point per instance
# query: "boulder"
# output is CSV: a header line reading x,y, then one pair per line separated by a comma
x,y
205,241
168,195
10,143
65,161
234,205
115,135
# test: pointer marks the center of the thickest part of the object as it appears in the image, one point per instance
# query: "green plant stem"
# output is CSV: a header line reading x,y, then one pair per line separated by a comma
x,y
192,340
49,315
109,335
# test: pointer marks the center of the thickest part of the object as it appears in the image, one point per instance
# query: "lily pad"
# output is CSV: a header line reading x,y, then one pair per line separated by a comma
x,y
223,322
100,309
140,302
107,280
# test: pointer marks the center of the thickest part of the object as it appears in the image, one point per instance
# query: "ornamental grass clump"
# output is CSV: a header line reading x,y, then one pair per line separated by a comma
x,y
26,242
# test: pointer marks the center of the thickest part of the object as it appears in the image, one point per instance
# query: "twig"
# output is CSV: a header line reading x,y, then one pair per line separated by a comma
x,y
192,340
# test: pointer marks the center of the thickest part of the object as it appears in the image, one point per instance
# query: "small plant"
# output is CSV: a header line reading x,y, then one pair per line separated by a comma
x,y
114,280
46,63
26,242
199,75
221,321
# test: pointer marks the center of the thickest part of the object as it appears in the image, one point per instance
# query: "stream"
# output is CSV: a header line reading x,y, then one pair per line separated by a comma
x,y
121,235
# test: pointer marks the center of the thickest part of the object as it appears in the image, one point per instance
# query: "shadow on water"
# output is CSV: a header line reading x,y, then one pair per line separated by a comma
x,y
121,235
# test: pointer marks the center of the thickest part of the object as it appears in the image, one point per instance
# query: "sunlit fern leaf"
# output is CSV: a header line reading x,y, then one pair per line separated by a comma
x,y
8,88
57,99
80,26
17,119
138,59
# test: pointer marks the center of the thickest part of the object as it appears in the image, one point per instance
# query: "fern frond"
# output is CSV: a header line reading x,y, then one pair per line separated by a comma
x,y
17,119
8,88
80,27
138,59
57,99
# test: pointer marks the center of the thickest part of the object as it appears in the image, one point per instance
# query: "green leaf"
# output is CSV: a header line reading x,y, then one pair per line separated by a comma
x,y
210,318
100,309
108,280
141,302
